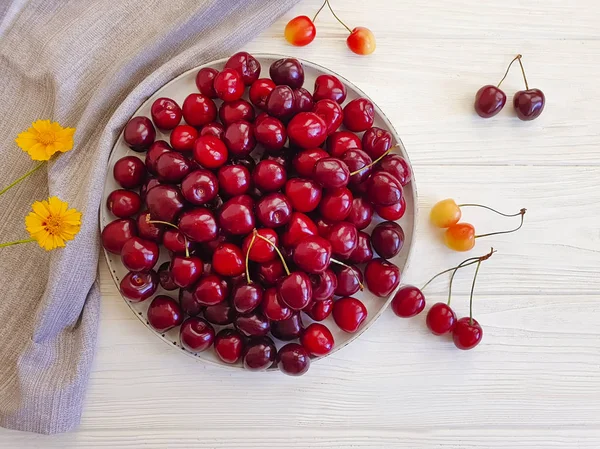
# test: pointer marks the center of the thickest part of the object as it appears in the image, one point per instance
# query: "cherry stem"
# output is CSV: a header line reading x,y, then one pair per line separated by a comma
x,y
471,298
287,270
16,242
524,77
375,161
521,213
518,57
464,263
472,260
337,18
320,9
493,210
187,249
18,180
248,257
360,284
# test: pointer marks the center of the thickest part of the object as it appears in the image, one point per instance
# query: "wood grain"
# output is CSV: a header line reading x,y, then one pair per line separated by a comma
x,y
534,382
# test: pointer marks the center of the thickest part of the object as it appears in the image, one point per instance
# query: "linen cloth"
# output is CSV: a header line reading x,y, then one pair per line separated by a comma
x,y
87,64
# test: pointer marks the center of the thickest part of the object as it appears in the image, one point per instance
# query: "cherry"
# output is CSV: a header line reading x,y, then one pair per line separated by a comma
x,y
361,41
196,334
261,251
299,227
361,213
156,150
387,239
363,251
198,225
341,141
269,176
205,80
331,173
320,310
211,290
129,172
293,360
396,166
222,314
239,138
288,71
210,152
382,277
317,339
528,105
149,184
229,85
323,285
272,307
139,133
123,203
300,31
273,210
200,187
313,254
183,137
213,129
359,164
336,204
116,233
259,91
246,297
166,113
235,111
164,202
281,102
229,345
295,290
307,130
349,313
174,241
303,100
343,237
460,237
234,180
445,213
376,142
467,333
329,87
393,212
269,273
304,162
383,189
172,167
283,157
189,305
331,113
164,313
359,115
259,354
138,287
139,255
236,216
408,301
489,100
228,260
289,328
246,65
252,324
441,319
147,230
349,280
304,195
186,270
165,278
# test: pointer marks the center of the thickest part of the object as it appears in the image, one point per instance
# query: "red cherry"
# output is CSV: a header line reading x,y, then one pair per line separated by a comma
x,y
149,231
235,111
361,41
270,133
361,213
344,238
303,100
229,345
393,212
288,329
269,176
228,260
281,102
300,31
272,307
172,167
259,354
489,100
246,297
210,152
116,233
246,65
269,273
320,310
196,335
164,202
164,313
409,301
139,255
323,285
198,225
186,270
528,105
341,141
359,163
211,290
331,113
252,324
239,138
156,150
261,251
200,187
123,203
273,210
288,71
129,172
199,110
149,184
441,319
329,87
234,180
166,279
183,138
383,189
313,254
236,216
259,91
138,287
295,290
304,162
293,360
359,115
221,314
331,173
387,239
299,227
349,313
139,133
174,241
307,130
205,81
396,166
213,129
349,280
304,195
467,333
382,277
376,141
188,303
336,204
317,339
363,251
229,85
166,113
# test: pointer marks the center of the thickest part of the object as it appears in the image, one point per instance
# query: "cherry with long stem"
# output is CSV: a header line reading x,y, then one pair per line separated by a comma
x,y
471,297
287,270
521,213
464,263
360,284
187,246
517,58
523,72
375,161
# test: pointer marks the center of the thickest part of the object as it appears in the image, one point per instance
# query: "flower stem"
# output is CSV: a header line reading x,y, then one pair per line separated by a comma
x,y
521,213
187,243
360,284
518,57
287,270
471,298
337,18
375,161
16,242
18,180
320,9
254,233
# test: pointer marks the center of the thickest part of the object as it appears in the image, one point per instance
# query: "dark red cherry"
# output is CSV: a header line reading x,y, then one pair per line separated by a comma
x,y
183,137
228,260
239,138
189,305
269,176
138,287
320,310
349,280
149,184
441,319
280,102
376,141
295,290
246,297
147,230
196,334
293,360
165,278
467,333
303,100
383,189
270,133
323,285
166,113
186,270
229,345
272,307
261,251
363,251
252,324
236,215
164,202
317,340
246,65
200,187
358,162
269,273
381,277
156,150
528,105
331,113
235,111
313,254
139,255
288,329
288,71
361,213
341,141
205,81
408,301
199,110
343,237
213,129
164,313
129,172
229,85
198,225
304,194
359,115
259,91
349,313
387,239
329,87
396,166
221,314
393,212
304,162
211,290
139,133
489,100
172,167
123,203
283,157
116,233
331,173
299,227
273,210
210,152
336,204
234,179
259,354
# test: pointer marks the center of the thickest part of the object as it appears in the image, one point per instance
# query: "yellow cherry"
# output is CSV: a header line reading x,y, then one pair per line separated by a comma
x,y
460,237
445,213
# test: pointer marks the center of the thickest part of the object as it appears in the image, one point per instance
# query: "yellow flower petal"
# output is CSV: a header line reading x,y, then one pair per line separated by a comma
x,y
51,223
44,139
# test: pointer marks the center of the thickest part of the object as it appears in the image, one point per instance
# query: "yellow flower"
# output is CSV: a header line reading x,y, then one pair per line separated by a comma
x,y
52,223
45,138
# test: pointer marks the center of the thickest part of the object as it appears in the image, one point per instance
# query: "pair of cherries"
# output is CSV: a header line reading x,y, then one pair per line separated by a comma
x,y
301,31
528,103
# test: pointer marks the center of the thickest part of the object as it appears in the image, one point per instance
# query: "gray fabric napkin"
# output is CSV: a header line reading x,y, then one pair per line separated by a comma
x,y
87,64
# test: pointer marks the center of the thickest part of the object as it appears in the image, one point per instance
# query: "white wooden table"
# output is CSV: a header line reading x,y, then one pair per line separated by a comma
x,y
534,382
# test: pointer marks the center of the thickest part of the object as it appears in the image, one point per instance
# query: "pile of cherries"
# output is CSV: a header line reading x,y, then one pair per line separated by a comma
x,y
262,206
